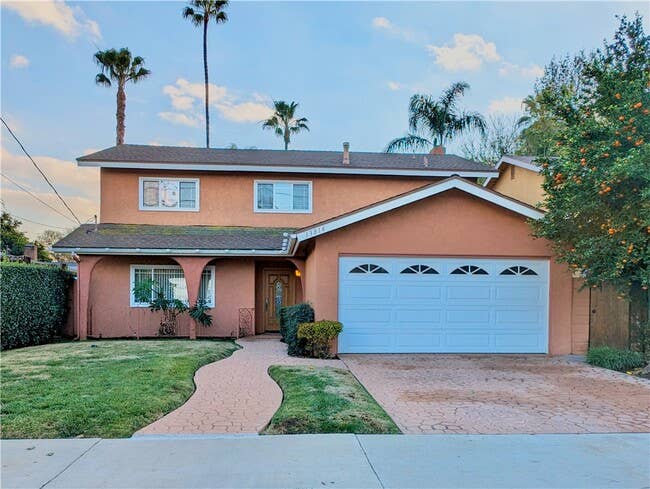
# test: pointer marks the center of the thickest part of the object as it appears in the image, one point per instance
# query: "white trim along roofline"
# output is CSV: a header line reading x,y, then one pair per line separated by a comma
x,y
292,241
511,161
409,198
291,169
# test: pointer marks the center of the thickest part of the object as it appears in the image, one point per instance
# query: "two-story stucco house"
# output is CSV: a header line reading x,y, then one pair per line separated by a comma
x,y
407,251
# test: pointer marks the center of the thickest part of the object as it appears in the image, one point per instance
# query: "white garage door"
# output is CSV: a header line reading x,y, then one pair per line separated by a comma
x,y
443,305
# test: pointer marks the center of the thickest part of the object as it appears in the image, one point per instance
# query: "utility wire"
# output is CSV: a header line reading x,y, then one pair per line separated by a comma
x,y
36,222
36,197
39,170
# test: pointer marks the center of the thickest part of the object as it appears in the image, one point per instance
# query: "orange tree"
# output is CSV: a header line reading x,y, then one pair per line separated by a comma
x,y
598,185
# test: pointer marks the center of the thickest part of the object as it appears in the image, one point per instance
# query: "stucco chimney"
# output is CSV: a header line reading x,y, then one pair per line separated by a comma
x,y
437,150
346,153
31,252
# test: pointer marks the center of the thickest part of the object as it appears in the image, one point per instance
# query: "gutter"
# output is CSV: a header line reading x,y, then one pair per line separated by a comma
x,y
167,251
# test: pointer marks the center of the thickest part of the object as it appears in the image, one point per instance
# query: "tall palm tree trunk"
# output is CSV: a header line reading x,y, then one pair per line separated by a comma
x,y
287,137
120,115
205,74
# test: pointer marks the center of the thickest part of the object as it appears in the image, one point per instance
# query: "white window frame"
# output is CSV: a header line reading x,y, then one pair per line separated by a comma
x,y
142,207
256,183
211,302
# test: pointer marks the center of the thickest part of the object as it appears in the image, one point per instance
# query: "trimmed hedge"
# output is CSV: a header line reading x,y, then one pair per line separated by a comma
x,y
316,337
33,300
290,318
614,359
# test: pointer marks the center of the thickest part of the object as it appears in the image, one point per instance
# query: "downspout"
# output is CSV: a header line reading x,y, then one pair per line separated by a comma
x,y
76,258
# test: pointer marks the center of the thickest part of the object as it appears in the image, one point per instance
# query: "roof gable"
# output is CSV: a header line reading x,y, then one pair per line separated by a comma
x,y
526,162
415,196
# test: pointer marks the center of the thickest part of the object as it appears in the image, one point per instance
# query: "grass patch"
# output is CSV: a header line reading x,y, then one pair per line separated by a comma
x,y
614,359
108,388
325,400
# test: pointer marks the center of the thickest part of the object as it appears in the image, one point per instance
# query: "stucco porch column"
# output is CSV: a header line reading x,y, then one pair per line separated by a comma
x,y
86,265
192,269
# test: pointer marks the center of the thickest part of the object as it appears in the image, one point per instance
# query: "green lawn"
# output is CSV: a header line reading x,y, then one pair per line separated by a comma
x,y
98,388
325,400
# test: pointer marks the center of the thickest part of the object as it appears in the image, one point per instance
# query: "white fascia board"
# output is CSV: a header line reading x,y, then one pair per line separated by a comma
x,y
514,162
168,251
290,169
414,197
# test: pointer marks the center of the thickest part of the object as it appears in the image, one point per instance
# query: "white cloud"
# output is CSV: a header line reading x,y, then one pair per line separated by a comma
x,y
180,118
466,53
385,25
187,99
505,105
510,69
19,61
79,187
69,21
393,85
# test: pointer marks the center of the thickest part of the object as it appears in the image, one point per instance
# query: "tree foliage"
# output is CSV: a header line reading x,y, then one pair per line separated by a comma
x,y
598,185
501,137
284,122
12,238
432,122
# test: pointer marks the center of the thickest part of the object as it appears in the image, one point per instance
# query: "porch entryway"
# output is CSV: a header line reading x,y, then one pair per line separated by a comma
x,y
277,285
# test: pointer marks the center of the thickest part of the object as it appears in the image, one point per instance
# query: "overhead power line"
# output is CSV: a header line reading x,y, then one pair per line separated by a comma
x,y
36,197
36,222
39,170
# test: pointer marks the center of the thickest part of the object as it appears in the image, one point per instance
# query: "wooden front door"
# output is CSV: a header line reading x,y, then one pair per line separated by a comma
x,y
278,291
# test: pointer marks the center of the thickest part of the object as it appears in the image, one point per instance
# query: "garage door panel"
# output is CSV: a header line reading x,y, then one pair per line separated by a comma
x,y
468,292
417,312
418,292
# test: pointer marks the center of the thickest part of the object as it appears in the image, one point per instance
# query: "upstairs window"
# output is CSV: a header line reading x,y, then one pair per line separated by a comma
x,y
169,194
288,197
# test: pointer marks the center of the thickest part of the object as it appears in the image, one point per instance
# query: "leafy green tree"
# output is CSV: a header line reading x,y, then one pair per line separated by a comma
x,y
200,13
598,185
120,67
433,122
284,122
12,238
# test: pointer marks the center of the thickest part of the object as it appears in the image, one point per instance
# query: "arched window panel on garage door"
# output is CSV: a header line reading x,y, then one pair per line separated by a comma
x,y
518,270
420,270
368,268
469,270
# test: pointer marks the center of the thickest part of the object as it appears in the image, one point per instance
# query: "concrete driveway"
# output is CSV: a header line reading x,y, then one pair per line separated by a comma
x,y
493,394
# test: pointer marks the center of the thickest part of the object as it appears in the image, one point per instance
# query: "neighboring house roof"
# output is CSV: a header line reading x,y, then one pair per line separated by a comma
x,y
182,240
263,160
401,200
124,239
527,162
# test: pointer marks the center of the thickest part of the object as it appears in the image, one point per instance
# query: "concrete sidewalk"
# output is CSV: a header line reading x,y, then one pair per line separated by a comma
x,y
363,461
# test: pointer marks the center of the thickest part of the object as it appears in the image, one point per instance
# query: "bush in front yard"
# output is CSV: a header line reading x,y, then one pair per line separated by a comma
x,y
290,318
614,359
316,337
33,300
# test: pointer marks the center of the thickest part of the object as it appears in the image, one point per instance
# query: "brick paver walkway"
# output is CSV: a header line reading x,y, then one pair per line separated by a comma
x,y
235,395
503,394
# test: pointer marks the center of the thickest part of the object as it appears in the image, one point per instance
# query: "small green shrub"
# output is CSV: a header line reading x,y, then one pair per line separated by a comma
x,y
33,300
316,337
614,359
290,318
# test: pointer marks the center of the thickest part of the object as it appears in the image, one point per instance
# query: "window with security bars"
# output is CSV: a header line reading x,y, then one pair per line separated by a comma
x,y
170,279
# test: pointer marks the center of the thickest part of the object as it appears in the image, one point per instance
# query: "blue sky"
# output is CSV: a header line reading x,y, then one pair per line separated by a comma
x,y
351,65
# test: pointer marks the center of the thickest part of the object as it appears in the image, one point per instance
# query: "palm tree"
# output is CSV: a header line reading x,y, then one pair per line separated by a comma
x,y
200,12
283,121
120,67
432,122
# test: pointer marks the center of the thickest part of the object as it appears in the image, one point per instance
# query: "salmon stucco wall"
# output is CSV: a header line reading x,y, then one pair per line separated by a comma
x,y
450,224
526,185
227,199
110,314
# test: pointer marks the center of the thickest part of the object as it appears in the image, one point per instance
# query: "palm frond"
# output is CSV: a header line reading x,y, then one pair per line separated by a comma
x,y
450,95
410,142
101,79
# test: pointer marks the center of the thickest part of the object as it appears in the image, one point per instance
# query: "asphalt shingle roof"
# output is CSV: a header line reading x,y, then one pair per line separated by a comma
x,y
174,237
524,159
134,153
